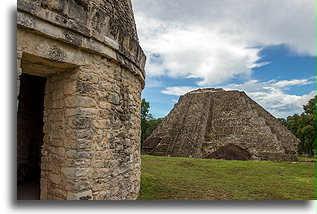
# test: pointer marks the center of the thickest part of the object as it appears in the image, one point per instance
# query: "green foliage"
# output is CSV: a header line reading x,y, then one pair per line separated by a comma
x,y
310,108
304,128
145,109
307,136
151,126
282,120
148,122
173,178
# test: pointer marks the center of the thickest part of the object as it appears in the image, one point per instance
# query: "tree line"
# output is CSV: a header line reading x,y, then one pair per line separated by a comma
x,y
304,128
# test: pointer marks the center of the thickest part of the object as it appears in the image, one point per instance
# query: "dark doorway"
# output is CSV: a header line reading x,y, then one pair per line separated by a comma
x,y
30,135
230,152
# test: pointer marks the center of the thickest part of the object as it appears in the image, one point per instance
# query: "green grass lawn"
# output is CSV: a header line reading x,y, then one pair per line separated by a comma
x,y
167,178
306,159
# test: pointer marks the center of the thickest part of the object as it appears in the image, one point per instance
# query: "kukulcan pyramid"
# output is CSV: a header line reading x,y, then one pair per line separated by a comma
x,y
219,124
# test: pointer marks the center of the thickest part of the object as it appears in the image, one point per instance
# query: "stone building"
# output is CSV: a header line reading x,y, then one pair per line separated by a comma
x,y
213,123
80,73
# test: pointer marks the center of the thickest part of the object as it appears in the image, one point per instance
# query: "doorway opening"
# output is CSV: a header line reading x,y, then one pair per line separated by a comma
x,y
30,136
230,152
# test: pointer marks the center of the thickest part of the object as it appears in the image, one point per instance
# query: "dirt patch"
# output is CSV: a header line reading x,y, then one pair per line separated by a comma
x,y
156,160
184,163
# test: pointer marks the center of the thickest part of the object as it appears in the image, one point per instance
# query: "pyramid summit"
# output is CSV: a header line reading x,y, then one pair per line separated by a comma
x,y
214,123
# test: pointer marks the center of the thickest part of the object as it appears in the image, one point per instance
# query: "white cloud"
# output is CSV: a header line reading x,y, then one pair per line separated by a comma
x,y
270,95
178,90
211,40
197,53
287,83
281,104
153,83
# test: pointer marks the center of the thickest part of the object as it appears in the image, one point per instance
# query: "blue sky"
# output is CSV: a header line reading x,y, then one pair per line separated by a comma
x,y
265,48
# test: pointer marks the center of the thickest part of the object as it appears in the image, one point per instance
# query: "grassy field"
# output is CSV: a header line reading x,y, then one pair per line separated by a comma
x,y
166,178
307,159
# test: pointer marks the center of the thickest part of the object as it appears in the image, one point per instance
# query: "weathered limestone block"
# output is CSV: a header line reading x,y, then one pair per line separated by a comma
x,y
78,186
74,172
85,195
89,55
55,178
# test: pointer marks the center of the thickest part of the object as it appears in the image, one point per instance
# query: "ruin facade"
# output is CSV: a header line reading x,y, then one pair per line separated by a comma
x,y
80,73
219,124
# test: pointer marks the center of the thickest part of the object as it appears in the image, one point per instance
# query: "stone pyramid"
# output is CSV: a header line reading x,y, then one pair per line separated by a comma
x,y
219,124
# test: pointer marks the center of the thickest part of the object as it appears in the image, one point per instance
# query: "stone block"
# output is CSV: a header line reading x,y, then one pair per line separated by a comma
x,y
115,99
88,77
76,134
58,104
58,151
85,102
101,173
80,122
58,193
77,163
70,87
74,173
44,187
55,178
104,105
84,88
102,155
74,154
85,195
77,186
57,95
46,166
101,124
80,112
80,144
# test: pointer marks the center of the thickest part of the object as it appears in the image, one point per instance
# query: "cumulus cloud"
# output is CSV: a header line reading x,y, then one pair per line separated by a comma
x,y
271,94
178,90
215,41
199,53
287,83
153,83
281,104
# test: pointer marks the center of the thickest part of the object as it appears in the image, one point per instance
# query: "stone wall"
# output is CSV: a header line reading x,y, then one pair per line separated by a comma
x,y
207,121
105,27
91,148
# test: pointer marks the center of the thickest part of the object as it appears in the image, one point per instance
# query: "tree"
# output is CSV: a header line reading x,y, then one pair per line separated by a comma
x,y
145,109
304,128
151,126
308,135
148,122
283,121
310,108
